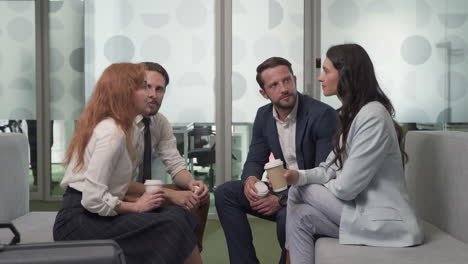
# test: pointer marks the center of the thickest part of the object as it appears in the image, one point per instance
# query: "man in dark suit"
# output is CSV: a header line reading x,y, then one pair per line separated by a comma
x,y
294,128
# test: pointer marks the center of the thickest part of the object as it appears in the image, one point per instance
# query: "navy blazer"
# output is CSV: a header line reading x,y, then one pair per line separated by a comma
x,y
316,124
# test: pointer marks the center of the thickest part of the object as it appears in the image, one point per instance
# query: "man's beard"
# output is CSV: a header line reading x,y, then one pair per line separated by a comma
x,y
286,107
152,112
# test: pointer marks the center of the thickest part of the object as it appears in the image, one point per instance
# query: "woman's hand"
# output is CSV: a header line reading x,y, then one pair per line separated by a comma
x,y
200,189
149,201
184,199
292,176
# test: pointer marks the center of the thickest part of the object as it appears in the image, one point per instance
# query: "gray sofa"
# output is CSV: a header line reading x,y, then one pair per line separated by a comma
x,y
437,176
14,193
437,179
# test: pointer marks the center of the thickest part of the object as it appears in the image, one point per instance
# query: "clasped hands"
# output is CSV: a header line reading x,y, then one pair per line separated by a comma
x,y
269,204
191,198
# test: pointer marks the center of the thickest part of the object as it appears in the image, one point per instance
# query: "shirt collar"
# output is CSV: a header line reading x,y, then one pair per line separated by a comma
x,y
292,116
138,120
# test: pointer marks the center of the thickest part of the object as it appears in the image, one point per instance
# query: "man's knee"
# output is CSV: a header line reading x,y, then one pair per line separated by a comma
x,y
226,190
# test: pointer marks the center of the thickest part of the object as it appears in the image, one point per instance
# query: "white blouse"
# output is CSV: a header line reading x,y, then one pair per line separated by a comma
x,y
106,172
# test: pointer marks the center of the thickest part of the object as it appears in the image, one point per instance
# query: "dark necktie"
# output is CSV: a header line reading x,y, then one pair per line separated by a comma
x,y
147,151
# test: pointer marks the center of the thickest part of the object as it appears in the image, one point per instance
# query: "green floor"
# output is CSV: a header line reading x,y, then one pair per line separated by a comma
x,y
215,249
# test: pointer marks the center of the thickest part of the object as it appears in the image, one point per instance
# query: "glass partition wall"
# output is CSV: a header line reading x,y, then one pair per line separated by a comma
x,y
55,50
18,108
260,30
419,50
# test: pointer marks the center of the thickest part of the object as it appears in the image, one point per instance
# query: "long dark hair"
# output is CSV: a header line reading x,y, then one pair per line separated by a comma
x,y
357,86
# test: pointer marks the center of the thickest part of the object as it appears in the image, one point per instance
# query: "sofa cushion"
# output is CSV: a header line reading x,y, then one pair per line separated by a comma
x,y
33,227
439,247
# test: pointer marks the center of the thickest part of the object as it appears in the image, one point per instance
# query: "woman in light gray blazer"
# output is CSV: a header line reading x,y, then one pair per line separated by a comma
x,y
359,193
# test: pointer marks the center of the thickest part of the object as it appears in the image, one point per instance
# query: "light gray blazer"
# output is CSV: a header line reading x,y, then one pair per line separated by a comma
x,y
377,211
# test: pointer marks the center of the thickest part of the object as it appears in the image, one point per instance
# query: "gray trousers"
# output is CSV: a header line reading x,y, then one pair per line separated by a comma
x,y
312,211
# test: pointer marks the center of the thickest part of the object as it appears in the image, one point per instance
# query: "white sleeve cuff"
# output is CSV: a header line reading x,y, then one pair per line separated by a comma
x,y
302,180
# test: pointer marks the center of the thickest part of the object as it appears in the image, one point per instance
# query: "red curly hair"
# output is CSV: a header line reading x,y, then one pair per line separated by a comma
x,y
111,99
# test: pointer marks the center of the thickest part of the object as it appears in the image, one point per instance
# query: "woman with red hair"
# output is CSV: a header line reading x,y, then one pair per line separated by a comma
x,y
99,165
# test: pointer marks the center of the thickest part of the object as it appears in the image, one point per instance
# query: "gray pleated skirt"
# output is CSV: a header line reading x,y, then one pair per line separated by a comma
x,y
164,235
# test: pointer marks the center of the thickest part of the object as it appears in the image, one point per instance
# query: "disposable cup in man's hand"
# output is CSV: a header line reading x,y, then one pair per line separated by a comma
x,y
275,171
262,189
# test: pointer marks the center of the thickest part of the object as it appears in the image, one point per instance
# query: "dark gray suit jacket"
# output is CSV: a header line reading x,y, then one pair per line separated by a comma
x,y
315,126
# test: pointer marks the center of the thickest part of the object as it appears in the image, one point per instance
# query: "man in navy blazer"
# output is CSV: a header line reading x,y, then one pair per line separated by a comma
x,y
296,129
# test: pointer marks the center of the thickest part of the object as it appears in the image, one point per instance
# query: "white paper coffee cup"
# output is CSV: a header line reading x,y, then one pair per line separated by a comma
x,y
151,185
275,171
262,189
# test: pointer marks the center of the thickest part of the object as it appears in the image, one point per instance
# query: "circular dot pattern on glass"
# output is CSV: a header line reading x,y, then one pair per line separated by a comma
x,y
149,52
443,116
119,49
275,14
457,48
21,113
191,13
198,49
89,50
192,79
76,114
239,86
344,13
126,13
415,50
56,89
55,24
55,6
414,84
56,60
20,6
78,6
21,83
295,49
77,89
56,114
77,59
25,60
457,89
266,47
239,50
20,29
423,13
298,20
155,20
379,7
453,20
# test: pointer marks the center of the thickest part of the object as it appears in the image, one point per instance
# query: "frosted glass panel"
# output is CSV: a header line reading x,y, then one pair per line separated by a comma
x,y
419,50
66,62
262,29
17,60
177,34
66,79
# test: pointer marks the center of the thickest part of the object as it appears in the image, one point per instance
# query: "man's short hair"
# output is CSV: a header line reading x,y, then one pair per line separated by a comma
x,y
154,66
271,63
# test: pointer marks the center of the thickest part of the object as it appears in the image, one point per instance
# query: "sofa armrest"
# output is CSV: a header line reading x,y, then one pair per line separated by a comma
x,y
14,182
